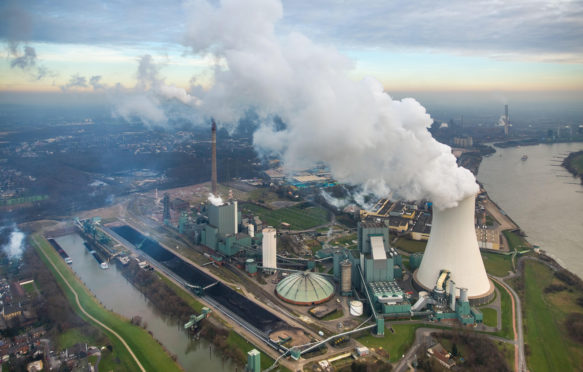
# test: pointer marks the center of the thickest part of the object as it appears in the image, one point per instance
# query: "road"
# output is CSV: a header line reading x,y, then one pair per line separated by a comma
x,y
125,344
519,358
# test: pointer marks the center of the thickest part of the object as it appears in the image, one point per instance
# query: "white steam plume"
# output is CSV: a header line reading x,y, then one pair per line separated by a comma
x,y
364,136
215,200
14,247
144,101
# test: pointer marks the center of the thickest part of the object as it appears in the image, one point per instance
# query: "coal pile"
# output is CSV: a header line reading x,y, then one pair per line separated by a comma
x,y
244,308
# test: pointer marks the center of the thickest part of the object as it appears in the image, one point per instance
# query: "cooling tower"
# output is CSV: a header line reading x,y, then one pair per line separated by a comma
x,y
453,246
269,249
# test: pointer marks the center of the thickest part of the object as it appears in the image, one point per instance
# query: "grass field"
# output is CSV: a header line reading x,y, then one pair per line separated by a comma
x,y
29,288
300,217
515,241
577,163
411,246
335,315
490,316
550,347
506,308
396,344
235,340
151,354
497,264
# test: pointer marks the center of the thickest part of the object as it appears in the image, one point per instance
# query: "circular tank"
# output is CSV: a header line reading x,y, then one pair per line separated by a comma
x,y
356,308
304,289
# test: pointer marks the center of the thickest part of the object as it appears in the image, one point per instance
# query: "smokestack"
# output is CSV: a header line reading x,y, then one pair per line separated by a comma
x,y
214,159
453,246
506,123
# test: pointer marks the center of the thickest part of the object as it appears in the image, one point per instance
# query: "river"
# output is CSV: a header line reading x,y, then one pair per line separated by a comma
x,y
119,295
541,196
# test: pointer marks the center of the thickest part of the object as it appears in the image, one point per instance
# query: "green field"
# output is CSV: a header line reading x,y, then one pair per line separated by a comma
x,y
490,316
235,340
497,264
550,347
335,315
300,217
515,241
396,344
151,354
411,246
29,288
506,304
577,163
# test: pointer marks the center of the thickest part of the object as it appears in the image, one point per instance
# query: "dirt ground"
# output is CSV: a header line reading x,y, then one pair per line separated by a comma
x,y
298,336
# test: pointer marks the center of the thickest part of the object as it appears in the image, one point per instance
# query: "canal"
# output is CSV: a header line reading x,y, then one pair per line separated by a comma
x,y
120,296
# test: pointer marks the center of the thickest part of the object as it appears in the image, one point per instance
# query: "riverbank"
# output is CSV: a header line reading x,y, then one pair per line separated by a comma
x,y
574,164
144,353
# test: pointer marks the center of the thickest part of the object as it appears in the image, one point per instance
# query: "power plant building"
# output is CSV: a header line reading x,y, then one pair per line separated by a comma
x,y
221,234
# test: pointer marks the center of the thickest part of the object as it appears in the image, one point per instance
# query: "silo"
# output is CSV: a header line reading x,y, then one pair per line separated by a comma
x,y
463,295
452,293
269,249
346,278
336,264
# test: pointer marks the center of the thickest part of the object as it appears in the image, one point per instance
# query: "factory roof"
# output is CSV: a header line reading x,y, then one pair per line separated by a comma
x,y
372,225
305,289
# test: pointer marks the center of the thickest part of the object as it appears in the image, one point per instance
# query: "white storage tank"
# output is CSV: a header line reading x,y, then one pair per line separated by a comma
x,y
269,249
356,308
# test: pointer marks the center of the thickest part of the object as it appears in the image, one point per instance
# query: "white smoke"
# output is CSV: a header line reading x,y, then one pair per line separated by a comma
x,y
144,101
358,130
215,200
335,202
14,247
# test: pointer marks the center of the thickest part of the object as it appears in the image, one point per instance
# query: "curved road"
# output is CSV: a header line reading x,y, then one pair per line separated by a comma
x,y
91,317
519,358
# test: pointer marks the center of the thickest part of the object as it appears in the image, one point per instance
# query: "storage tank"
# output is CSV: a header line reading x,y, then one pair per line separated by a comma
x,y
251,266
453,246
346,278
356,308
269,249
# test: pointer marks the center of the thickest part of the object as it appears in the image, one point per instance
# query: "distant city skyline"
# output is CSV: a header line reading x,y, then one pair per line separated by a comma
x,y
484,46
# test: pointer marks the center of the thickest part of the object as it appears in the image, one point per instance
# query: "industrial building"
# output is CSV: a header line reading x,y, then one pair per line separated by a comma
x,y
221,233
453,246
305,288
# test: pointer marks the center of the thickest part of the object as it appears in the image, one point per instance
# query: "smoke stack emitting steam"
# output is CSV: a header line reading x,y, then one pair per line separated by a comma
x,y
354,127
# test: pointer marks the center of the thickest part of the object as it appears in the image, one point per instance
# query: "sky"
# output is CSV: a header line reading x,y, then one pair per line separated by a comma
x,y
497,48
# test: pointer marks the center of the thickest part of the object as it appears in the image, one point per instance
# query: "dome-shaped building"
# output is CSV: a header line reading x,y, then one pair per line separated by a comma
x,y
305,289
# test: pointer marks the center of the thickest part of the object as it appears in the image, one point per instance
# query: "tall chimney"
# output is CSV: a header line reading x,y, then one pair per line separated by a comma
x,y
214,159
506,123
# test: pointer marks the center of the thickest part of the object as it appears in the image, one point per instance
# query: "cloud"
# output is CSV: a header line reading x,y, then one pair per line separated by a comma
x,y
26,60
508,29
95,82
75,81
151,98
363,135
